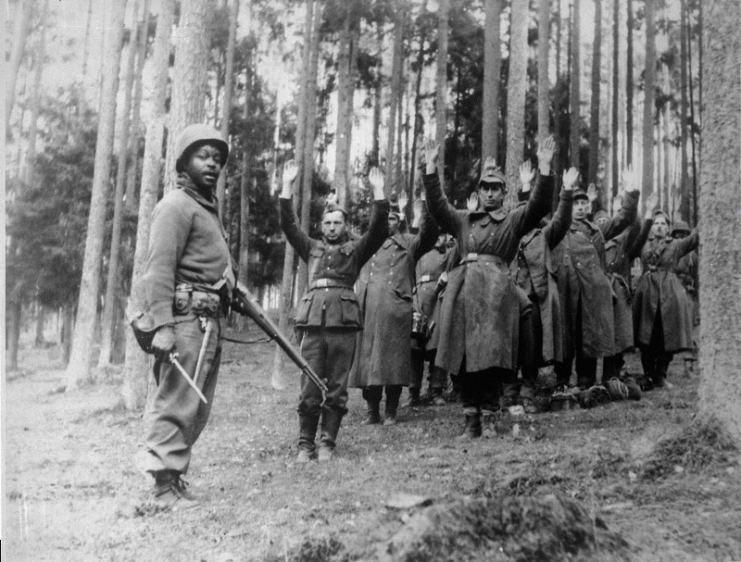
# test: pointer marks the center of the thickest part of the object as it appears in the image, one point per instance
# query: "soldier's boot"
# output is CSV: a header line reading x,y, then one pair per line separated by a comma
x,y
393,394
414,399
437,397
488,423
472,429
648,362
689,366
170,491
634,389
662,368
307,433
373,412
331,420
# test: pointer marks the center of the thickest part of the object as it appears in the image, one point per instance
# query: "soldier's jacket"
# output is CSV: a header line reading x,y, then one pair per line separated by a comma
x,y
384,289
535,275
659,289
687,271
428,270
619,254
579,262
333,268
479,316
187,245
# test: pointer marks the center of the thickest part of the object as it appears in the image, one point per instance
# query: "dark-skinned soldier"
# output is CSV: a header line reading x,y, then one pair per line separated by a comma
x,y
585,291
384,288
534,274
187,262
328,316
480,313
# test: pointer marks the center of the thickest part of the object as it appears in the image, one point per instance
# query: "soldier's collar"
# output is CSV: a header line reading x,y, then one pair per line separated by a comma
x,y
184,182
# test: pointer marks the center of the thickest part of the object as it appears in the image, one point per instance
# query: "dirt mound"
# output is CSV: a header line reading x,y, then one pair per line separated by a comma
x,y
697,447
511,529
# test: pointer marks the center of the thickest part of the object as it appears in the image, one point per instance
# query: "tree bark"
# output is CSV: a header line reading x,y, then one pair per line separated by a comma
x,y
190,77
492,76
136,365
720,209
106,322
615,93
629,88
684,181
516,90
227,105
648,103
78,369
40,318
23,15
575,92
28,172
375,154
594,148
441,100
544,87
345,92
417,131
394,117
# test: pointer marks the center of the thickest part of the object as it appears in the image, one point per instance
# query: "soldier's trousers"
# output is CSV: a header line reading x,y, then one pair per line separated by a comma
x,y
480,390
438,378
530,353
177,413
586,367
330,353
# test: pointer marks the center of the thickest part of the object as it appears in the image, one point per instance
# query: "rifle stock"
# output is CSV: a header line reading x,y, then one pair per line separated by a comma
x,y
247,304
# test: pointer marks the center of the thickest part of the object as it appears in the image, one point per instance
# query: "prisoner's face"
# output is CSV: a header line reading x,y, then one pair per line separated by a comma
x,y
581,209
491,195
333,225
661,226
393,224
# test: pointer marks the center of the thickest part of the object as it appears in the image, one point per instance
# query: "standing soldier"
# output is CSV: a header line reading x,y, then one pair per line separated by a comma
x,y
187,263
384,289
328,315
480,313
429,269
619,254
534,274
661,315
585,291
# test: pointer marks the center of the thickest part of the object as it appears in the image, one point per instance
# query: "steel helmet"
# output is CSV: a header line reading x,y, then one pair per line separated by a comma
x,y
194,136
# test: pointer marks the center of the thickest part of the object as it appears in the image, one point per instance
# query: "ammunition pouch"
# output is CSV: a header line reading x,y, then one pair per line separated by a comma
x,y
144,329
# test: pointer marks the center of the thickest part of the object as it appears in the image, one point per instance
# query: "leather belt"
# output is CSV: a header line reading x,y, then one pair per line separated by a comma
x,y
326,283
473,257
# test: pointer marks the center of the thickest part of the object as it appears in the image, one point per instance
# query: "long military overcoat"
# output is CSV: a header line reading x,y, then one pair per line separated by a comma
x,y
429,268
534,273
384,289
480,311
579,261
619,254
659,288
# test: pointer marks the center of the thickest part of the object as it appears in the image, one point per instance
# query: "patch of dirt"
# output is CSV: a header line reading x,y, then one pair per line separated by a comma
x,y
570,485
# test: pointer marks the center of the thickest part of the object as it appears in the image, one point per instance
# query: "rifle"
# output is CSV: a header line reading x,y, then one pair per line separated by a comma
x,y
244,303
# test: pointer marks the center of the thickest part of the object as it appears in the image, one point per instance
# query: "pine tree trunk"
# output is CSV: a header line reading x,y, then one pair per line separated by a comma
x,y
134,136
227,105
615,93
394,118
244,193
594,148
68,326
516,90
374,158
720,209
441,84
492,75
684,181
112,287
648,103
22,16
190,77
40,318
86,47
345,89
28,174
544,41
629,88
575,92
417,131
15,310
78,369
136,365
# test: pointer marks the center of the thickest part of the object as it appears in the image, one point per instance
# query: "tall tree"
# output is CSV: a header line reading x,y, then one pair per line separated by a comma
x,y
394,113
492,73
615,93
376,143
36,97
684,181
649,78
417,130
345,94
629,87
111,293
720,209
135,368
190,76
227,105
544,87
516,91
594,148
22,17
575,90
441,84
78,369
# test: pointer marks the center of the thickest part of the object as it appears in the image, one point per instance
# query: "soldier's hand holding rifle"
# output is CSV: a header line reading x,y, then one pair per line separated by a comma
x,y
570,179
290,172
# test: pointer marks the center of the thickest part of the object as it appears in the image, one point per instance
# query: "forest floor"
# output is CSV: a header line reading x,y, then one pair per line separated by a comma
x,y
72,486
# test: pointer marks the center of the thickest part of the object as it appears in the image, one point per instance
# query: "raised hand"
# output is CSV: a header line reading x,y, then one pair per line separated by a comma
x,y
472,203
570,179
546,150
333,197
617,203
651,202
431,150
375,177
632,179
403,200
527,174
290,171
592,193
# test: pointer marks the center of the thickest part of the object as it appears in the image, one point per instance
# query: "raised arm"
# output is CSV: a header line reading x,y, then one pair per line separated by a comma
x,y
557,228
288,220
637,241
628,211
378,229
539,204
425,239
687,244
445,215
